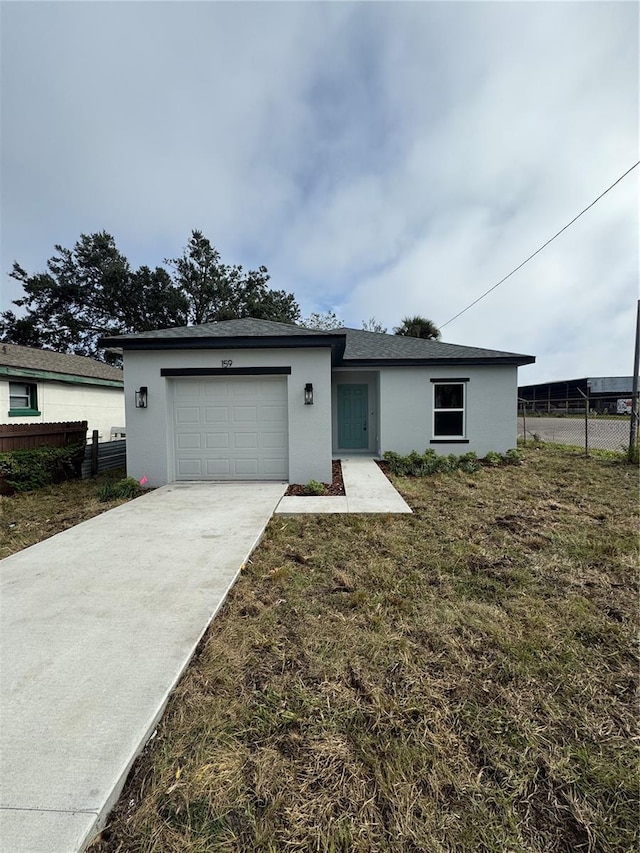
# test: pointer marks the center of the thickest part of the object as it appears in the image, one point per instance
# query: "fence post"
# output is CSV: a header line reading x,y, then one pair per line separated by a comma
x,y
633,427
94,452
586,419
524,421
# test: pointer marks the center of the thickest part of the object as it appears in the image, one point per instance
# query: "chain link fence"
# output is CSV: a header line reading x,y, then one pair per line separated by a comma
x,y
596,423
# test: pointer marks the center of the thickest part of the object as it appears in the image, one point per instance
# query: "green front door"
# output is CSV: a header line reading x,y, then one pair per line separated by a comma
x,y
353,410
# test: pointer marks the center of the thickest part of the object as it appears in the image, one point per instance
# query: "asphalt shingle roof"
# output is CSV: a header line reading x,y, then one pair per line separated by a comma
x,y
247,327
30,358
374,346
360,346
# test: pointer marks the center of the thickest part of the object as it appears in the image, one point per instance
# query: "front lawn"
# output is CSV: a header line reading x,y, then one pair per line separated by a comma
x,y
457,680
30,517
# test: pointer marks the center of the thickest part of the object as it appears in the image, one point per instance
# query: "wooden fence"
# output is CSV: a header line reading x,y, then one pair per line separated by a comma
x,y
26,436
102,456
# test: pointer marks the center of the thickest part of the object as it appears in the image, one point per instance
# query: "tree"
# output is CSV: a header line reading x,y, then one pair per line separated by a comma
x,y
91,291
216,291
418,327
372,325
325,321
86,292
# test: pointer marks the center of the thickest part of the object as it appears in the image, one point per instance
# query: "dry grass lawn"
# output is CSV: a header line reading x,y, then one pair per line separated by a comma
x,y
30,517
458,680
462,679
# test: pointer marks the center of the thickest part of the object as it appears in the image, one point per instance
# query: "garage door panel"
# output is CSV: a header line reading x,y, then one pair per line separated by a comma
x,y
216,415
187,388
274,414
218,468
275,469
248,468
274,440
189,468
189,441
231,428
244,415
217,440
189,415
249,388
245,440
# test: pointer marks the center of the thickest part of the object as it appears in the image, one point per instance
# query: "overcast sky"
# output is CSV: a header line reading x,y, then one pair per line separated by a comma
x,y
380,158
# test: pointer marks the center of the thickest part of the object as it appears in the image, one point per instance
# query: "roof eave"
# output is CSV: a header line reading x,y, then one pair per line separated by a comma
x,y
516,360
336,342
12,371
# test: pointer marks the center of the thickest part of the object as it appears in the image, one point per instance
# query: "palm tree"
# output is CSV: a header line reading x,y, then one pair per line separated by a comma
x,y
418,327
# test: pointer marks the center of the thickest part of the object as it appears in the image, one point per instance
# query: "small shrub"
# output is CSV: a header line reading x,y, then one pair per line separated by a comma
x,y
125,488
313,487
513,456
449,463
398,465
423,464
469,463
431,461
28,470
493,459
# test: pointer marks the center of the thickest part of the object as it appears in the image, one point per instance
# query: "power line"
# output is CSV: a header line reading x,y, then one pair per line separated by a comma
x,y
551,239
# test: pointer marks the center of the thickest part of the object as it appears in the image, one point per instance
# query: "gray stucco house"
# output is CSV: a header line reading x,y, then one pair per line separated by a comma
x,y
256,400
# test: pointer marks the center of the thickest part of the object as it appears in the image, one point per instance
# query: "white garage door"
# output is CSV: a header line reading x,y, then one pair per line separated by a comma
x,y
231,429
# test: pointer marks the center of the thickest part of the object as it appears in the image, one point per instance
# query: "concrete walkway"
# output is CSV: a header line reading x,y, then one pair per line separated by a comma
x,y
367,490
97,625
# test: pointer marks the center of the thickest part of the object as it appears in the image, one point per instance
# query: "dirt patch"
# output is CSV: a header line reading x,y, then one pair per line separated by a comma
x,y
335,487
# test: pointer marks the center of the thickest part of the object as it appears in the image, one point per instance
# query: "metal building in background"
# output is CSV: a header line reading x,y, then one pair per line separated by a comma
x,y
606,395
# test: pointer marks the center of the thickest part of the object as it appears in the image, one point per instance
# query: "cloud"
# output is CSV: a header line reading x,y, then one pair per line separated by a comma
x,y
381,159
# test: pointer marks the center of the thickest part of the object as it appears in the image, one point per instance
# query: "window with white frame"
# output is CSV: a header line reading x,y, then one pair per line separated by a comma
x,y
23,398
449,417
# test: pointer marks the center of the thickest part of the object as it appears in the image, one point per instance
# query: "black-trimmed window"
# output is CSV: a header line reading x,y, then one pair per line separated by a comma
x,y
449,419
23,399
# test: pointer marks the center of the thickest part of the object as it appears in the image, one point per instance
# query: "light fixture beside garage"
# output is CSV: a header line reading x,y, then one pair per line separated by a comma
x,y
141,397
308,394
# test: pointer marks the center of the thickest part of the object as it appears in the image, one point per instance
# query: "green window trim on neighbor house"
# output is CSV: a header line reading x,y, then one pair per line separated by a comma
x,y
23,400
21,373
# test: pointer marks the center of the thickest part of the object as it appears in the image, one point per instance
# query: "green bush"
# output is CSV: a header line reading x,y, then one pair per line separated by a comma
x,y
316,488
27,470
469,463
398,465
514,456
125,488
493,458
423,464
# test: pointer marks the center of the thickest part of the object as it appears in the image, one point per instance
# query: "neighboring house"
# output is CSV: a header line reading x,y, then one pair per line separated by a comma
x,y
39,386
256,400
606,395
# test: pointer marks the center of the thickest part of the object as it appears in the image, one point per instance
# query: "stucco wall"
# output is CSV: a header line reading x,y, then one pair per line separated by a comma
x,y
102,406
150,441
406,408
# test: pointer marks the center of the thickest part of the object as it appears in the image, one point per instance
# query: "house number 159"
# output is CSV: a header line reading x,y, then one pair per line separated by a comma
x,y
227,362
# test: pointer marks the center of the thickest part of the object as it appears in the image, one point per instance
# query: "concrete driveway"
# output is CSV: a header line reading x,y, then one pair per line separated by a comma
x,y
97,624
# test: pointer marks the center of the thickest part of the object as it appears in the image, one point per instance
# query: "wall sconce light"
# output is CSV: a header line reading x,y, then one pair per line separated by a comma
x,y
308,394
141,397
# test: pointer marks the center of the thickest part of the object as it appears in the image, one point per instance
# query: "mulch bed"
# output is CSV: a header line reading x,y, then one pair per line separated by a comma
x,y
336,487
